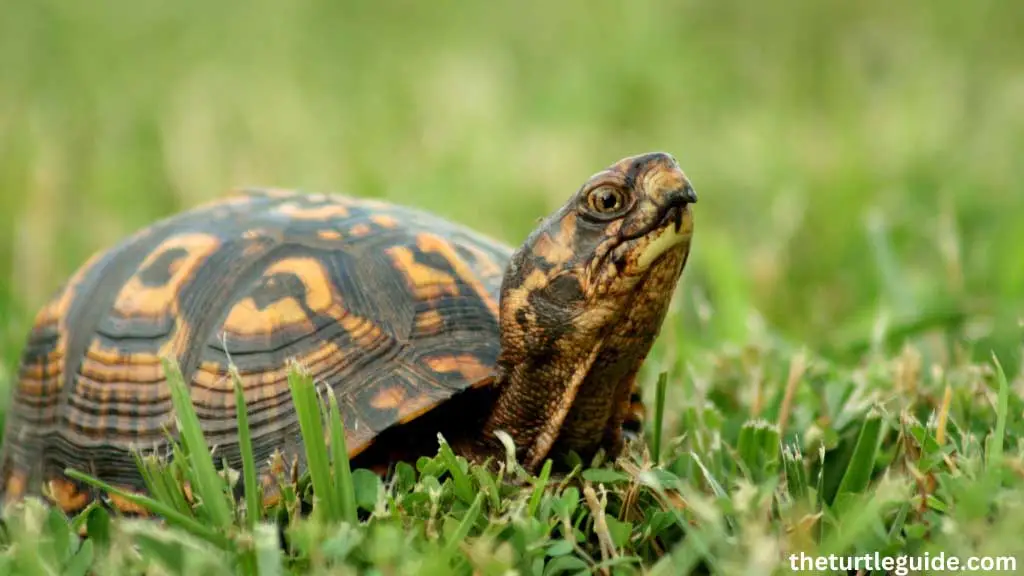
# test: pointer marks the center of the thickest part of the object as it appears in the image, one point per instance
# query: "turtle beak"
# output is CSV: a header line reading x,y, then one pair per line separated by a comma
x,y
682,196
668,185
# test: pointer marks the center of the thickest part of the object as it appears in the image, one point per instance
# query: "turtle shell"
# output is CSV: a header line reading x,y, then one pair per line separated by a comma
x,y
395,309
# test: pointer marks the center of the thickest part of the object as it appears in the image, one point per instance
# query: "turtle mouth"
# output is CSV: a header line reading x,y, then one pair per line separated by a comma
x,y
671,227
670,219
672,215
669,214
671,230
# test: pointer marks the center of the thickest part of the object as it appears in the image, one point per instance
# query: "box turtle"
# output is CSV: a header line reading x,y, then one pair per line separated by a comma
x,y
419,325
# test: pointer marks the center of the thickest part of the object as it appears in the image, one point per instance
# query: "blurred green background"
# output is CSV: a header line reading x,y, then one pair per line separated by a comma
x,y
854,160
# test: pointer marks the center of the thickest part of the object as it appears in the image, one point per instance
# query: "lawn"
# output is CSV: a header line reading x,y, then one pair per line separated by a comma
x,y
842,365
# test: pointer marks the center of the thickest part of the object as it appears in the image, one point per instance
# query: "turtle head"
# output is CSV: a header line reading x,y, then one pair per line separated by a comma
x,y
624,223
582,302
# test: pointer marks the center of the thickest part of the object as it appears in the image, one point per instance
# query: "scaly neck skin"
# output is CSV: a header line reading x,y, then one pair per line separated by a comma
x,y
537,394
566,386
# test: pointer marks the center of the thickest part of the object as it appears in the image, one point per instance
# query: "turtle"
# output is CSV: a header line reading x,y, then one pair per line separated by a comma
x,y
421,326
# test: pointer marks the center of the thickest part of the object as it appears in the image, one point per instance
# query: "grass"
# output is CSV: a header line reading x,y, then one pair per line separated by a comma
x,y
875,476
841,371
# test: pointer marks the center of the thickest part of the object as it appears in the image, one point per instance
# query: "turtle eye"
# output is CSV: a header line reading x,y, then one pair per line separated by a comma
x,y
607,201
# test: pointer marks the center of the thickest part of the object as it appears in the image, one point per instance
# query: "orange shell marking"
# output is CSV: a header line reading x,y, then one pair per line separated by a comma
x,y
138,299
427,283
467,365
66,495
246,318
388,398
325,212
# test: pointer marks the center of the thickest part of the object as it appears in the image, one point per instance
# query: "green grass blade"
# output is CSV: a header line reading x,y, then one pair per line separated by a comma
x,y
712,482
307,408
747,446
209,484
82,561
538,489
995,454
716,486
659,415
899,521
253,490
769,441
344,488
758,449
161,484
796,476
488,485
97,525
862,462
463,485
465,525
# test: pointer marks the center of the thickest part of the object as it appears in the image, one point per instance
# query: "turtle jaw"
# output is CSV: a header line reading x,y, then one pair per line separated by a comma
x,y
676,230
616,274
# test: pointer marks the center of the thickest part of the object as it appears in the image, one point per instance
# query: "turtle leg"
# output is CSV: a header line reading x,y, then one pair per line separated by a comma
x,y
627,423
636,414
